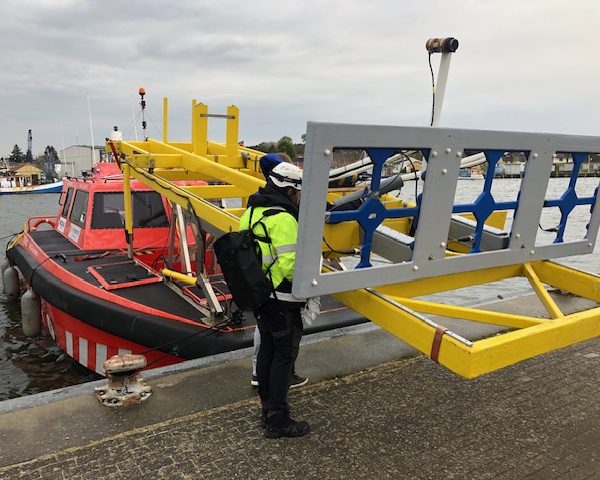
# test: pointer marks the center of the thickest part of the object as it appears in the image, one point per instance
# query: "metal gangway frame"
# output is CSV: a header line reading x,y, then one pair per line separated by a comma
x,y
387,294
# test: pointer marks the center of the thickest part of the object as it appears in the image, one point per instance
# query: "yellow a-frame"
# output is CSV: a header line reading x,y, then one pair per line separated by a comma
x,y
388,295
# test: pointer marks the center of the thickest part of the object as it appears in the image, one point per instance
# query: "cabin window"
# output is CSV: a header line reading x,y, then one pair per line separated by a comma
x,y
79,210
148,210
67,204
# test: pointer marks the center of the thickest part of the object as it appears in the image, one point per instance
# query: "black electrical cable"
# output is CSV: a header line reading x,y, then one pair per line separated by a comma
x,y
414,171
548,230
433,89
212,330
341,252
38,266
9,235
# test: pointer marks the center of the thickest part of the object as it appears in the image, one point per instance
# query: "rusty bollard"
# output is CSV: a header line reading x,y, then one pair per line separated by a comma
x,y
125,385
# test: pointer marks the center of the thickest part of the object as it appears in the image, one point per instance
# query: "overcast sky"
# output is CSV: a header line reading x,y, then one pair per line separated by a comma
x,y
528,65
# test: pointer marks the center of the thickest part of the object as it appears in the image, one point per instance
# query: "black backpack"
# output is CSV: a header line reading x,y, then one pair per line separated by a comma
x,y
240,258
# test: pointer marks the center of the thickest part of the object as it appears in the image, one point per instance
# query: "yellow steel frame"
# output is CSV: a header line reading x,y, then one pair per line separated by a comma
x,y
397,307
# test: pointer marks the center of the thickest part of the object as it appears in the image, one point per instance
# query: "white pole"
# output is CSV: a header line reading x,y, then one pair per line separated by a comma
x,y
440,87
62,141
91,129
134,126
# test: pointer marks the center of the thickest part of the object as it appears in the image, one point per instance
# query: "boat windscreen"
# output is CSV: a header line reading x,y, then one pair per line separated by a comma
x,y
148,210
78,212
67,204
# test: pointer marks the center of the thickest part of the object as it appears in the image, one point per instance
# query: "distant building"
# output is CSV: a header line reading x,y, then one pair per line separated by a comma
x,y
19,174
78,158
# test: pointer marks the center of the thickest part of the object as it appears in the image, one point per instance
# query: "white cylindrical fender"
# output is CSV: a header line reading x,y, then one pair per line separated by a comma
x,y
3,266
31,313
10,280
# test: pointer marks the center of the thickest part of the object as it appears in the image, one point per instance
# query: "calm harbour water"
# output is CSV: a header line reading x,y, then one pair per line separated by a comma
x,y
33,365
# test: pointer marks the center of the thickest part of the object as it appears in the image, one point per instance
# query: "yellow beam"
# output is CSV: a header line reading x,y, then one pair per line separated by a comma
x,y
472,314
232,132
178,174
209,213
483,356
541,292
200,128
452,281
128,208
216,191
500,351
585,285
226,174
399,322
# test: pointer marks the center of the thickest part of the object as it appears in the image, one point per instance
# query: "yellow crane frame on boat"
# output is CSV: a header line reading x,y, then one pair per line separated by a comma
x,y
233,172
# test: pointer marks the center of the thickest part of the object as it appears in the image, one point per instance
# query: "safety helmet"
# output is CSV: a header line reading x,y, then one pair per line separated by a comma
x,y
287,175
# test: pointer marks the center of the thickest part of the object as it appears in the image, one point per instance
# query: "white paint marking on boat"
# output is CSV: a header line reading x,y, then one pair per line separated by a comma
x,y
69,341
50,327
101,351
83,351
124,351
74,233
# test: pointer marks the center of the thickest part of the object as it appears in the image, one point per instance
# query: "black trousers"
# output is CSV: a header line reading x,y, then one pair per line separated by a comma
x,y
281,329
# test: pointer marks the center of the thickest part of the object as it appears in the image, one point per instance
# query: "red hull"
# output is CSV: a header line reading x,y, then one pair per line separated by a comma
x,y
91,347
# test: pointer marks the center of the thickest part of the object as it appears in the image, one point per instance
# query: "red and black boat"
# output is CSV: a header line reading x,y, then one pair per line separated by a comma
x,y
97,299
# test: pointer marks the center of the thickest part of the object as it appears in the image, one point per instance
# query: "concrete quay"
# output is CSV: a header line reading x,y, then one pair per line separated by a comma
x,y
376,412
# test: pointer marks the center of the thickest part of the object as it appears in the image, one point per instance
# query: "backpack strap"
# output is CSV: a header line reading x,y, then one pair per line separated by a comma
x,y
266,239
267,213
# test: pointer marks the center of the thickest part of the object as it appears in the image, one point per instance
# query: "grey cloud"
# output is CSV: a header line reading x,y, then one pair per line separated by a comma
x,y
521,65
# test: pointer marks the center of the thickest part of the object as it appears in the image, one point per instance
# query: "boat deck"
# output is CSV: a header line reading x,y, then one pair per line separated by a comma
x,y
158,295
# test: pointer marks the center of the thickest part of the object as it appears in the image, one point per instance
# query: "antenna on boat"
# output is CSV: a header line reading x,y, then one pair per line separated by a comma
x,y
134,126
64,152
91,131
445,46
142,92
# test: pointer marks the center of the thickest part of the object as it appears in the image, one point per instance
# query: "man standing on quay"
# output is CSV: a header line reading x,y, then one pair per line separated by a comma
x,y
279,319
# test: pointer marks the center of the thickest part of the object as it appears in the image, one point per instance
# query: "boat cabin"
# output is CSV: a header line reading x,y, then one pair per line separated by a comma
x,y
91,214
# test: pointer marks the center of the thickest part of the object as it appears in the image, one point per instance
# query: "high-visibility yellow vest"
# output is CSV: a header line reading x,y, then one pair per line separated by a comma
x,y
282,229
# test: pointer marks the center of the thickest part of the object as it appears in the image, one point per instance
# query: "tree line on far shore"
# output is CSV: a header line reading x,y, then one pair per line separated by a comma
x,y
283,145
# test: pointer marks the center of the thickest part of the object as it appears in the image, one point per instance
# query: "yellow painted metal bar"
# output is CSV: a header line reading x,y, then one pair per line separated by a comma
x,y
216,191
482,356
194,137
584,284
453,281
472,314
130,148
540,290
500,351
215,216
201,129
165,120
197,163
128,208
406,326
178,276
232,131
175,174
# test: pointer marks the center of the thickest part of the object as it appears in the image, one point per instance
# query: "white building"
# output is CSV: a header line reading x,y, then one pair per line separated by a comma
x,y
78,158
